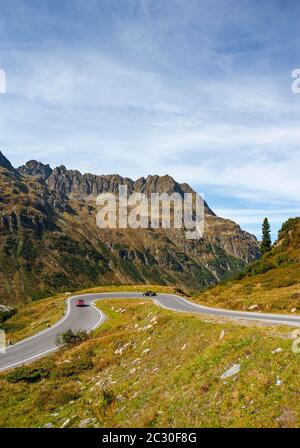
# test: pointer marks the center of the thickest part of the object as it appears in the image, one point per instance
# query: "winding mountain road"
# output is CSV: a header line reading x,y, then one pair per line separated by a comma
x,y
90,317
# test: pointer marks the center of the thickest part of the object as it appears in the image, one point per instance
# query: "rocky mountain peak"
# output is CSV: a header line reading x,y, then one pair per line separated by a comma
x,y
34,168
5,163
158,184
73,184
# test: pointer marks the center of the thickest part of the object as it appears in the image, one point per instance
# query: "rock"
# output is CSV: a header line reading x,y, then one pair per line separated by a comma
x,y
230,372
277,350
120,350
87,422
136,361
293,310
147,327
253,307
34,168
278,381
222,334
66,422
147,350
4,309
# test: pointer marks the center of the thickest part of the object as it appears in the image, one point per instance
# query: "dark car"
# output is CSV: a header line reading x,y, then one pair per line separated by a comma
x,y
149,294
80,303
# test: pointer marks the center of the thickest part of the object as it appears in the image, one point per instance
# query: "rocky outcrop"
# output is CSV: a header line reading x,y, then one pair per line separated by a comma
x,y
76,185
34,168
4,163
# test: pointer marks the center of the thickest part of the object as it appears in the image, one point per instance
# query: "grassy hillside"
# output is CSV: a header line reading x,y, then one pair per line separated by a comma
x,y
270,284
150,367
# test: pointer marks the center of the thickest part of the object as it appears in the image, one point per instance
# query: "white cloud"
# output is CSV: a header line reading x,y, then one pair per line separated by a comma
x,y
184,89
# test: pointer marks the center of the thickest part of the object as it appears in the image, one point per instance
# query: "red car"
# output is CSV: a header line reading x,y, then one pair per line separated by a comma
x,y
80,302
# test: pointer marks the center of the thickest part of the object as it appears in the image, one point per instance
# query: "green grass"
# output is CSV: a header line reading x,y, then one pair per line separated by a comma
x,y
34,317
150,367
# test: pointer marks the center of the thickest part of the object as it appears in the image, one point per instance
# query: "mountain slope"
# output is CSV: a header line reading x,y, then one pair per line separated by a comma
x,y
49,240
150,367
269,284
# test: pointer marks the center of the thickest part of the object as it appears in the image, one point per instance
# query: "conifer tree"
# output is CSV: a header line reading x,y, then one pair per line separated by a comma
x,y
266,243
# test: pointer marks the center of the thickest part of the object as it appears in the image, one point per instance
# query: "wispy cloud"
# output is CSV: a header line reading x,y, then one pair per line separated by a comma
x,y
141,87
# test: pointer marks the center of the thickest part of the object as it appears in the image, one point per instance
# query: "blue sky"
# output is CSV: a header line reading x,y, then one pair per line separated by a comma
x,y
198,89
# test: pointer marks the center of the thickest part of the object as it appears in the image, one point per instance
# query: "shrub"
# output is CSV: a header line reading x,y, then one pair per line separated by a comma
x,y
78,365
71,337
38,295
180,291
12,327
239,275
58,394
260,267
28,374
5,315
282,258
283,282
295,296
288,225
58,280
107,397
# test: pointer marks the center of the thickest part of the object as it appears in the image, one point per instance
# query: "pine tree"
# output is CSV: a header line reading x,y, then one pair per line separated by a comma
x,y
266,243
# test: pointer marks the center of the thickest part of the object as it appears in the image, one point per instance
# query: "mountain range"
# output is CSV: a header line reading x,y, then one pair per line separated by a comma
x,y
49,240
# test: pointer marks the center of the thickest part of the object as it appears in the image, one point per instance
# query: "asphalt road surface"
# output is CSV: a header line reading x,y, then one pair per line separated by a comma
x,y
89,317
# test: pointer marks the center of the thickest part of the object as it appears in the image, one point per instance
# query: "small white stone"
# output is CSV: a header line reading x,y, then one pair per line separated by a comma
x,y
66,422
230,372
222,334
253,307
277,350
